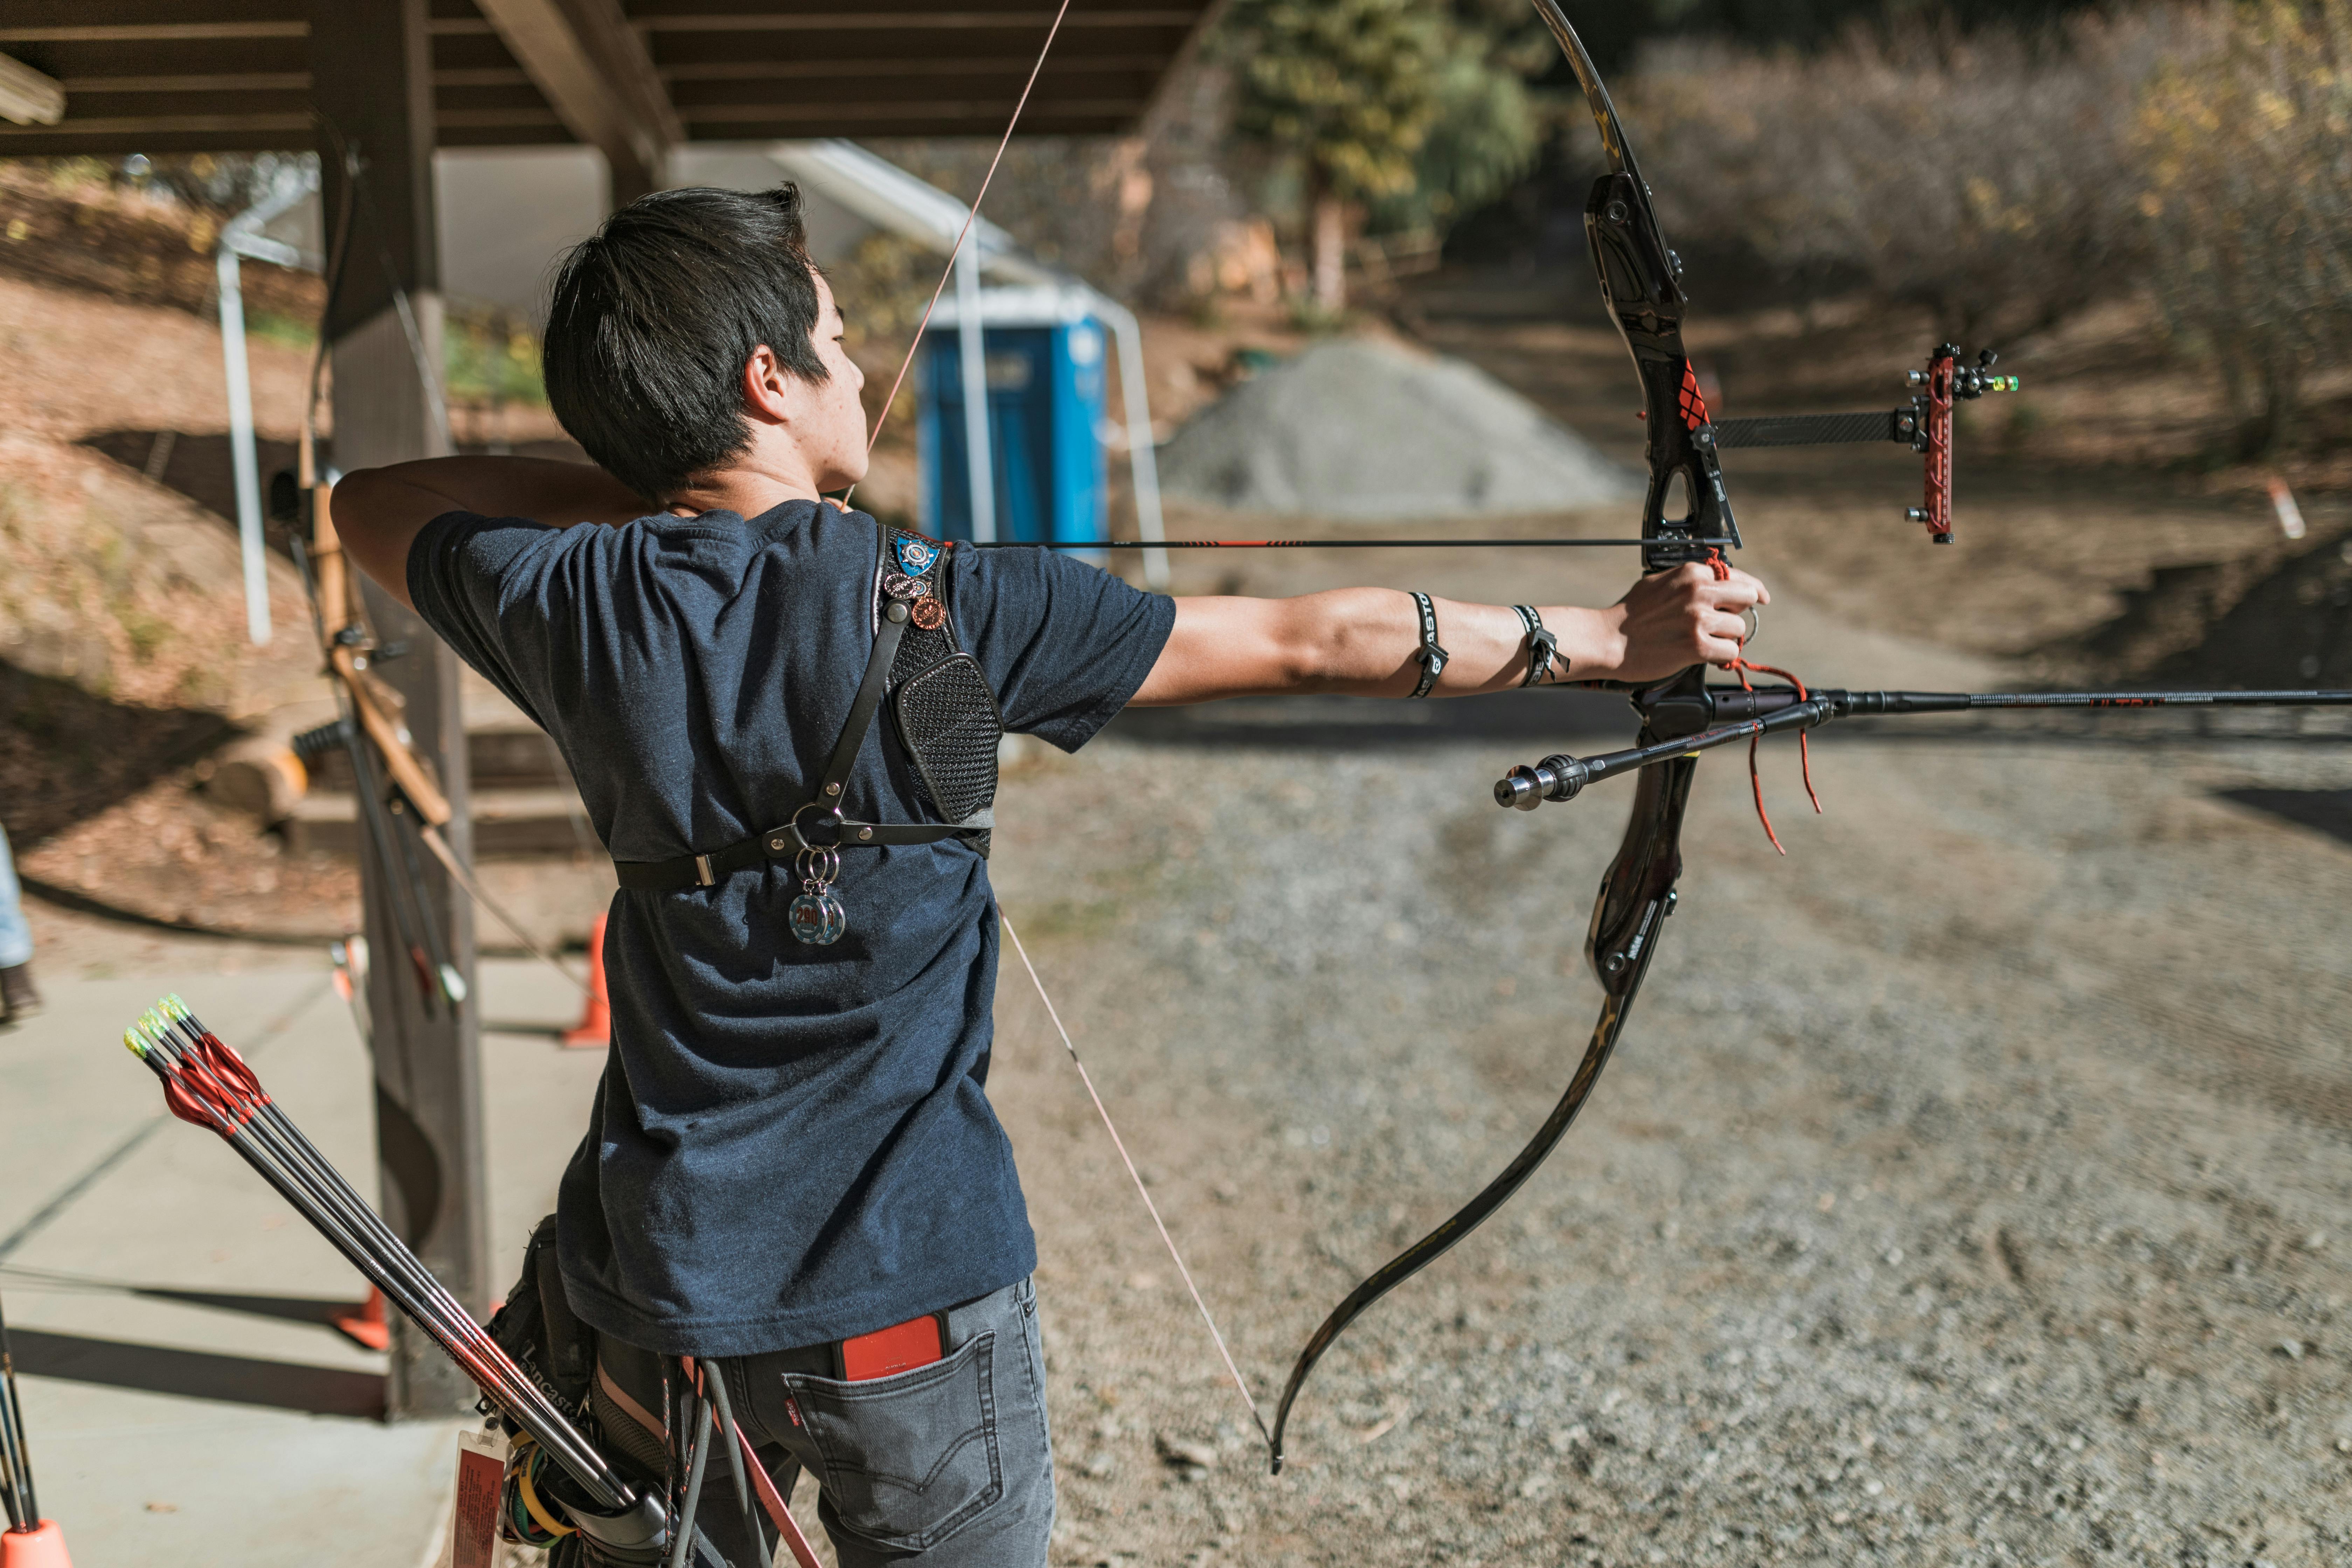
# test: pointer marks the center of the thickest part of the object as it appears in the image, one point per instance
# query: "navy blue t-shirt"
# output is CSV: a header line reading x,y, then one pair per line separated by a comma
x,y
791,1143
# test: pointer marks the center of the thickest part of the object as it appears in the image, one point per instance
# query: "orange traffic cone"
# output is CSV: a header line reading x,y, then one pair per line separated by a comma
x,y
364,1324
595,1030
43,1546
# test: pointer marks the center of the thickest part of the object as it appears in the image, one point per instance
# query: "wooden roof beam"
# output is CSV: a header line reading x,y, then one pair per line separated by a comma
x,y
594,73
27,97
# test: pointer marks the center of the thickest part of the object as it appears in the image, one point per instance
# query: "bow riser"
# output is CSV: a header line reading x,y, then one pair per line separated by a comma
x,y
1640,280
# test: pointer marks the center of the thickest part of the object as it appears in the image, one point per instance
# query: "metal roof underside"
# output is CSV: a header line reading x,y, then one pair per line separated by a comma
x,y
162,76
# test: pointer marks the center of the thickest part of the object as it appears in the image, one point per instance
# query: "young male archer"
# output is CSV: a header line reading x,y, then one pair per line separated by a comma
x,y
775,710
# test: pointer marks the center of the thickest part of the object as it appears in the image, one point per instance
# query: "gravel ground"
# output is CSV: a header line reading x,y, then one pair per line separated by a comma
x,y
1969,1186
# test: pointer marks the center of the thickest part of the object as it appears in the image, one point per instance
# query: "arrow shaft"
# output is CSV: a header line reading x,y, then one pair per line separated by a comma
x,y
1539,543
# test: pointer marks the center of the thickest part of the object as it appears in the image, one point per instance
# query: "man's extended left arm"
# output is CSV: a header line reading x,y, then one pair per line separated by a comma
x,y
1364,641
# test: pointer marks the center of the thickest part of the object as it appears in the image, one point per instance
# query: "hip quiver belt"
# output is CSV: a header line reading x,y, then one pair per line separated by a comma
x,y
945,716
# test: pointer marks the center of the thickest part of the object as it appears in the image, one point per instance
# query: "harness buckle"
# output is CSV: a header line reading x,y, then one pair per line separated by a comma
x,y
702,877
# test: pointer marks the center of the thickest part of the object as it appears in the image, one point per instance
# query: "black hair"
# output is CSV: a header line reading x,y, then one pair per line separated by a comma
x,y
654,316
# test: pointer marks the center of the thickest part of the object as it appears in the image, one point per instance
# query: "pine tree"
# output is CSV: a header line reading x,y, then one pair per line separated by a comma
x,y
1346,89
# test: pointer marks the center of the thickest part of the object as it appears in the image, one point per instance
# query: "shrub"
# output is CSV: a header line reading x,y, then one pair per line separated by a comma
x,y
491,358
1982,176
2245,149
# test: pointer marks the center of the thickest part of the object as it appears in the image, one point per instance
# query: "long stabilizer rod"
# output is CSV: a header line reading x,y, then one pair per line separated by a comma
x,y
1772,708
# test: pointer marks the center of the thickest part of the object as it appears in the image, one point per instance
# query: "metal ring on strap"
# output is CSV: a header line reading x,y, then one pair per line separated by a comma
x,y
793,827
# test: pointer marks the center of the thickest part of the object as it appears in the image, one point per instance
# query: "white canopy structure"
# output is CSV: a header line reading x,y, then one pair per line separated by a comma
x,y
888,197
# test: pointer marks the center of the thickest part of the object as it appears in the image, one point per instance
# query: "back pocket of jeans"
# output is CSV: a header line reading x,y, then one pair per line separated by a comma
x,y
910,1459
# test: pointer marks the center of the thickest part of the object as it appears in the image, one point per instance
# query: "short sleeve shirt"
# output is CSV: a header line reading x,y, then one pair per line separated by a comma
x,y
790,1144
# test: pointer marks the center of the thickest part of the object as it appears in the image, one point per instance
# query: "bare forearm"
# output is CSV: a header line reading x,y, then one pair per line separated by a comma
x,y
379,511
1364,642
1367,641
557,494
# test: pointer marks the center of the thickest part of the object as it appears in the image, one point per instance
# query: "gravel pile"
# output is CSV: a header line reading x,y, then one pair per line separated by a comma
x,y
1356,428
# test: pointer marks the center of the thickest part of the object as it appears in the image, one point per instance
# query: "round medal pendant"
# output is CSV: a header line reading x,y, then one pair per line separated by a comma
x,y
930,614
817,919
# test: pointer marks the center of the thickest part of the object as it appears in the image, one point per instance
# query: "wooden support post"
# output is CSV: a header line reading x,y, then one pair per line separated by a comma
x,y
372,77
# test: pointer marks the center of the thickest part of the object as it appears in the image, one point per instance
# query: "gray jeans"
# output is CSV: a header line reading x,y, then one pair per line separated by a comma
x,y
948,1466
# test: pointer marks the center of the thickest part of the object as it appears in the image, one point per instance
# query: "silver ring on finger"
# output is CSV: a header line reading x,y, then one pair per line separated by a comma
x,y
1753,618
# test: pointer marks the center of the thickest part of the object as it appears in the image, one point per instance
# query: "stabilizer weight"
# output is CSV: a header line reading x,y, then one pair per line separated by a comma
x,y
1554,778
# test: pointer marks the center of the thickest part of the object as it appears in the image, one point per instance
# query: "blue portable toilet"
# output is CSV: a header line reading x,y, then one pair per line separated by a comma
x,y
1044,356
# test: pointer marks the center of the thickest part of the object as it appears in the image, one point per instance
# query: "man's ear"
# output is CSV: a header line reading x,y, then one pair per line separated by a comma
x,y
769,391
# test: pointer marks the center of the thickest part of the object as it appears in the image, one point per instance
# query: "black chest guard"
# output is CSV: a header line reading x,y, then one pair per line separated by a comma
x,y
940,703
941,707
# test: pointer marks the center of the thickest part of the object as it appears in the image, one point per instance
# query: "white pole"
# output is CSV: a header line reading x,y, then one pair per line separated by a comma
x,y
1143,460
972,353
243,458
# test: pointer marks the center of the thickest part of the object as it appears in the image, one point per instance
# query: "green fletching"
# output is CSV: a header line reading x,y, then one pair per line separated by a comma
x,y
133,1043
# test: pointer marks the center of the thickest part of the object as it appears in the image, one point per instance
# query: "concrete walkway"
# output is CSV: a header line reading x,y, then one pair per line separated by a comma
x,y
186,1402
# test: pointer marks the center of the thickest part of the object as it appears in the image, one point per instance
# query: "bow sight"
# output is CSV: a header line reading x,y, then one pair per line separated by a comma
x,y
1926,427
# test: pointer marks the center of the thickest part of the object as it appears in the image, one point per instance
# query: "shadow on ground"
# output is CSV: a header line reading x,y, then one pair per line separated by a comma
x,y
66,755
1377,725
63,898
2328,810
198,1375
283,1309
198,466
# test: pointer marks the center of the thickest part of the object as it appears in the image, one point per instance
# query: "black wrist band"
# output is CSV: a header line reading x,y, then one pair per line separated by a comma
x,y
1542,646
1431,657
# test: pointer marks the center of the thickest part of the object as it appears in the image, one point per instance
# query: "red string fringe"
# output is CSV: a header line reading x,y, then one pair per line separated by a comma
x,y
1740,666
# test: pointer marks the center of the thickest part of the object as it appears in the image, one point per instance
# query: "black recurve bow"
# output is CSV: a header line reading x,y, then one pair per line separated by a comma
x,y
1640,281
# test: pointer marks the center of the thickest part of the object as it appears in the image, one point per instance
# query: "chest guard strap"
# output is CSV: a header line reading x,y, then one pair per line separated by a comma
x,y
946,717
